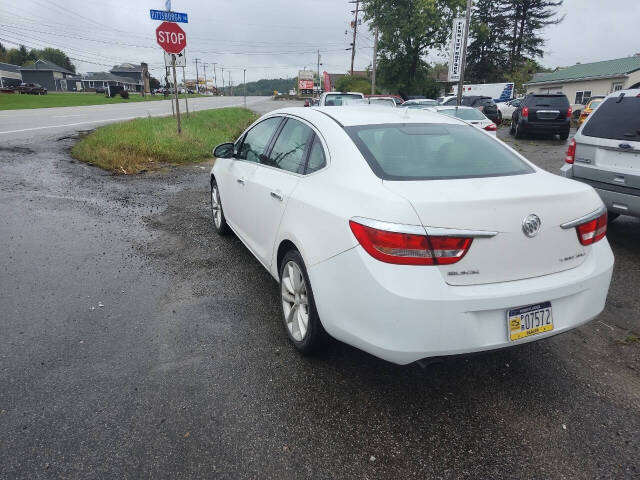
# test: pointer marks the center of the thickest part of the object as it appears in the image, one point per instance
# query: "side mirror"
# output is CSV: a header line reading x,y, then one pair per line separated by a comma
x,y
224,150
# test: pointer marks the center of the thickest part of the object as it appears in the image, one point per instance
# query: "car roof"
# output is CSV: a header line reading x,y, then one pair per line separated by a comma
x,y
371,115
629,92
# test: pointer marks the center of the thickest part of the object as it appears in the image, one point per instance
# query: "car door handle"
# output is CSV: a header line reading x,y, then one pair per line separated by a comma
x,y
276,195
240,181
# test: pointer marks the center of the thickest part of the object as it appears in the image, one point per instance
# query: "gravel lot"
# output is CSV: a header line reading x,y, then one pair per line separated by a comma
x,y
135,343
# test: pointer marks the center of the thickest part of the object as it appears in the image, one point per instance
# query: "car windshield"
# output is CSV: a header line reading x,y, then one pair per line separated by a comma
x,y
337,99
419,103
616,119
463,113
433,151
383,101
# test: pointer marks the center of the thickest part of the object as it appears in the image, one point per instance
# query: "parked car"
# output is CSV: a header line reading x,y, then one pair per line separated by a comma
x,y
101,89
589,107
334,99
444,99
448,242
547,113
307,102
396,98
380,100
31,89
470,115
426,102
605,153
485,104
507,108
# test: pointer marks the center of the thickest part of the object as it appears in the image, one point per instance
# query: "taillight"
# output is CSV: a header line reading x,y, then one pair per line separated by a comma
x,y
571,151
525,112
408,248
569,112
593,230
491,127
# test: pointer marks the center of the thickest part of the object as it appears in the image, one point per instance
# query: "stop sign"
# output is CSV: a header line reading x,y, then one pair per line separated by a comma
x,y
171,37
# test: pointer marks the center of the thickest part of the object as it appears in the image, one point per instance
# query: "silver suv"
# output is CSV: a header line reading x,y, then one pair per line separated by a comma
x,y
605,153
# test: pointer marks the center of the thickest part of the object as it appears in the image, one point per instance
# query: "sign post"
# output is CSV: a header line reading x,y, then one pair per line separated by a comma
x,y
173,40
458,59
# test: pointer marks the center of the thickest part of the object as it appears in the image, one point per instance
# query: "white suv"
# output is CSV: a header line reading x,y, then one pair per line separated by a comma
x,y
605,153
335,99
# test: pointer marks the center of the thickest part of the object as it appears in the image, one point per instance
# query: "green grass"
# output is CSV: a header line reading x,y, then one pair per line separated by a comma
x,y
19,102
151,143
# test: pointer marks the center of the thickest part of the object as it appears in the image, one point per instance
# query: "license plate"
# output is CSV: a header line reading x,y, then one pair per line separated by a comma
x,y
530,320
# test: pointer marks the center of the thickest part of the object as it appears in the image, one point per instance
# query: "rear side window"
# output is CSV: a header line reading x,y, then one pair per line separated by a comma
x,y
288,151
317,159
615,120
555,101
433,151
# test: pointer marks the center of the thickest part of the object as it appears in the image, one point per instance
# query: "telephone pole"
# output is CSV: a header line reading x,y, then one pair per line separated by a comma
x,y
197,84
230,84
215,83
319,83
204,65
375,63
355,33
244,86
463,60
222,68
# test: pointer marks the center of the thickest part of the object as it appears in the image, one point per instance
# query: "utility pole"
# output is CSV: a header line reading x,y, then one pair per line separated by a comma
x,y
184,82
197,84
375,63
204,65
175,89
222,68
463,60
319,83
244,86
230,84
355,33
215,83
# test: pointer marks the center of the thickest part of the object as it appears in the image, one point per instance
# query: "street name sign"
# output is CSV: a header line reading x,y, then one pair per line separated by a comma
x,y
171,37
165,16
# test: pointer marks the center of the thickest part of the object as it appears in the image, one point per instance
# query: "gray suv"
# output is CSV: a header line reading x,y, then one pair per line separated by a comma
x,y
605,153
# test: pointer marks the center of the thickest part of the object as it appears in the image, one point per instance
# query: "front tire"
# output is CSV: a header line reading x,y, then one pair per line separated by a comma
x,y
217,213
299,312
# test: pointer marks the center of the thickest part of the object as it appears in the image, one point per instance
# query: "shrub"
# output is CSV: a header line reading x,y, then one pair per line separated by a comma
x,y
124,94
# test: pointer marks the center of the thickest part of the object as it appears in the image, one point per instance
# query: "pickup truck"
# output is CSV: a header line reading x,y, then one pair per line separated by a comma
x,y
31,88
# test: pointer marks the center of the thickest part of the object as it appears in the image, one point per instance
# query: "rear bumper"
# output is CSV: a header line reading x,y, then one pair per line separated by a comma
x,y
545,127
405,313
615,201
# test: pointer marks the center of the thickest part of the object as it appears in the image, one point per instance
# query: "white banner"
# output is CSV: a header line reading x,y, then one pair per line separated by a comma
x,y
181,59
455,58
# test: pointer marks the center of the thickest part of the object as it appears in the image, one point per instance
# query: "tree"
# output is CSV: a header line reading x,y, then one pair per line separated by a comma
x,y
3,53
525,21
20,56
349,83
154,83
408,29
56,56
487,53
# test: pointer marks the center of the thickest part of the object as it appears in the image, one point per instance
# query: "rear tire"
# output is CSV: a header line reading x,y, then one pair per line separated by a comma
x,y
217,214
299,313
512,129
564,135
518,131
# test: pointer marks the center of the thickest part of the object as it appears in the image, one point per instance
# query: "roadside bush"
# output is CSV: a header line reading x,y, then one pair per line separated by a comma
x,y
124,94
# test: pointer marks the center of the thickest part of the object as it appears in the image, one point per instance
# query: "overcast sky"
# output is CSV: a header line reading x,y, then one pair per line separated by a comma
x,y
272,38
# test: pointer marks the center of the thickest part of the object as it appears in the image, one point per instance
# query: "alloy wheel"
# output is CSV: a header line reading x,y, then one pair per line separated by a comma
x,y
295,301
216,208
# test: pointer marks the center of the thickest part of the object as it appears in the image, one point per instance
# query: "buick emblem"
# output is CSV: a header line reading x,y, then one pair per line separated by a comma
x,y
531,225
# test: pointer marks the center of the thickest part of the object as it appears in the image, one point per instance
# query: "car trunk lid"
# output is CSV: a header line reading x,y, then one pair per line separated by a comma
x,y
500,204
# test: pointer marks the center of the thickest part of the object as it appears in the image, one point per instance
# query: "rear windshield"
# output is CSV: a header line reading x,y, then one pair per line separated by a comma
x,y
554,101
336,100
463,113
615,120
433,151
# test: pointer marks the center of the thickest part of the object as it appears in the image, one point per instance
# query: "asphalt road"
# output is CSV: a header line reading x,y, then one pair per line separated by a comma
x,y
32,123
135,343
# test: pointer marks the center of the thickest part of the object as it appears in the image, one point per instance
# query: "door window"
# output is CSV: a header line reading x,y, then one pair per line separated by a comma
x,y
288,152
317,159
257,139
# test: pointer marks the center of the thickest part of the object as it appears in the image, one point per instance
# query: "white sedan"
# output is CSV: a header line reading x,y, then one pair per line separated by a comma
x,y
410,234
469,114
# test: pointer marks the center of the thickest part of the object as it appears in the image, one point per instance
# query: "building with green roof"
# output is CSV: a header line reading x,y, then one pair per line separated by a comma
x,y
584,80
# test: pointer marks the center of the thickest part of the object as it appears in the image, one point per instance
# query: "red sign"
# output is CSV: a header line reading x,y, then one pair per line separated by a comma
x,y
171,37
305,84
